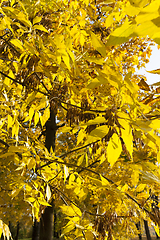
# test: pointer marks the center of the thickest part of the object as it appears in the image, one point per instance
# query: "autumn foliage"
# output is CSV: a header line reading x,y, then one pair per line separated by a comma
x,y
78,60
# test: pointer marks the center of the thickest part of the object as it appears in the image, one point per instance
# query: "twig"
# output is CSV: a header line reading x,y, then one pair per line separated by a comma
x,y
7,145
82,108
42,82
21,83
4,143
109,180
65,154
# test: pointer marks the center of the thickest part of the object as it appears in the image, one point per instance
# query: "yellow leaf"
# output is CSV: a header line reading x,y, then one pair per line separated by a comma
x,y
36,118
157,71
65,58
82,40
31,163
17,43
124,188
104,181
98,45
66,172
80,160
127,135
31,112
140,187
131,10
121,34
158,157
139,3
48,192
65,129
89,235
16,191
30,199
68,210
6,232
109,20
114,149
70,226
45,116
1,227
77,210
35,210
71,178
81,136
5,155
15,129
97,134
83,194
71,210
40,27
102,158
135,177
156,228
143,195
130,85
37,19
97,120
43,202
10,121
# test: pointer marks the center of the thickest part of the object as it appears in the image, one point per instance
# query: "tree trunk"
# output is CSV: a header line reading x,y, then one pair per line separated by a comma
x,y
148,236
46,224
36,230
138,226
17,232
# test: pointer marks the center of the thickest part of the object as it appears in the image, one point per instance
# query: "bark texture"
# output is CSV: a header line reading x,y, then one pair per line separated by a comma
x,y
148,236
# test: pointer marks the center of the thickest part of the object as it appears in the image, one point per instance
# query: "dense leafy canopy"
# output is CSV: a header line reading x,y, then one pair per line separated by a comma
x,y
78,59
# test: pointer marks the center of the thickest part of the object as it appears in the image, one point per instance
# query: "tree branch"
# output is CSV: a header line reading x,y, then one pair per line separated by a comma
x,y
4,143
7,145
21,83
98,174
82,108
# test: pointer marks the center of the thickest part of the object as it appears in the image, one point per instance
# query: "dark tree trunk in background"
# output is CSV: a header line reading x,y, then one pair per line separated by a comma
x,y
148,236
45,230
36,230
10,229
17,232
138,226
46,224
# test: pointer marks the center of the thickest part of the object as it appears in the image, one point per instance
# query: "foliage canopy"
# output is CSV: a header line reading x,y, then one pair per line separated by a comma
x,y
78,59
